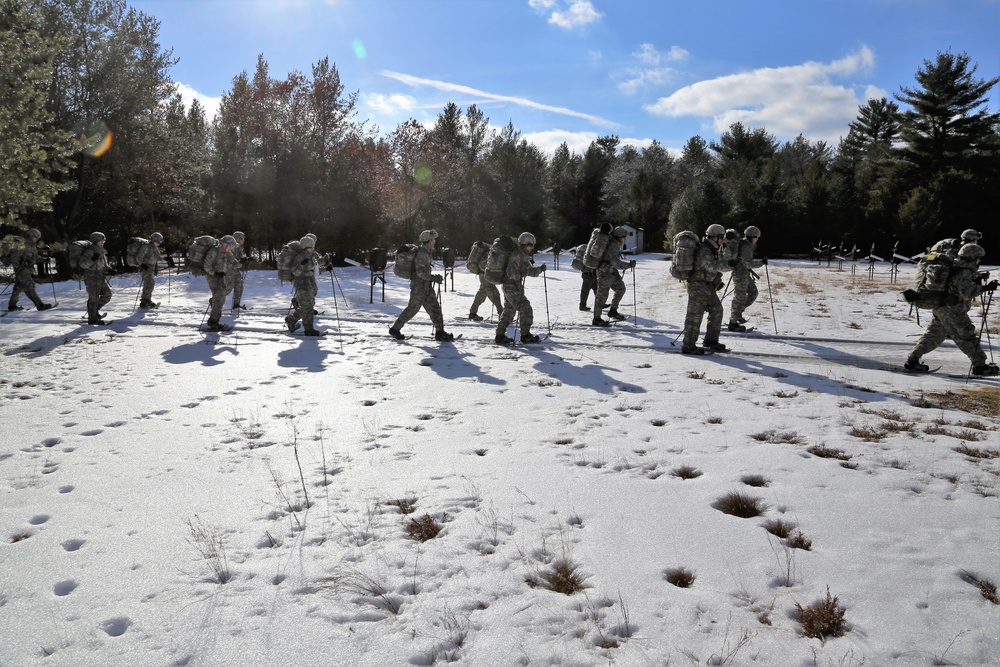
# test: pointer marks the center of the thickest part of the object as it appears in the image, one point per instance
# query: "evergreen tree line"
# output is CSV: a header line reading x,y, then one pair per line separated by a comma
x,y
286,156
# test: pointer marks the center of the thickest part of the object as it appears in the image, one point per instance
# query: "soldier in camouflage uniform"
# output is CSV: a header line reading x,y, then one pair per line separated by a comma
x,y
951,320
487,290
744,288
951,247
149,257
610,280
220,270
240,256
23,260
705,280
422,291
515,302
304,282
94,264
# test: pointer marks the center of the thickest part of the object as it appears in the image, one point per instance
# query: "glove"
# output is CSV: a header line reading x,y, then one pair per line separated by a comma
x,y
110,271
718,284
437,280
328,267
542,268
307,260
733,263
143,267
245,262
220,274
763,261
993,284
94,257
631,264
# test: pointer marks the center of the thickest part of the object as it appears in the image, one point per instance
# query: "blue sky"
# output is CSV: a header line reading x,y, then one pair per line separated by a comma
x,y
573,70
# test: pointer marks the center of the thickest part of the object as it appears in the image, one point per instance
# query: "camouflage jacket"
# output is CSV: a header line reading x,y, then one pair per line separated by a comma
x,y
218,261
94,260
304,264
612,261
422,264
708,262
149,255
743,261
25,256
962,285
519,266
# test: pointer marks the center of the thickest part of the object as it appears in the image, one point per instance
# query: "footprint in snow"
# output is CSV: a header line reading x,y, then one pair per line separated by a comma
x,y
51,442
39,519
93,432
66,489
73,545
64,588
116,627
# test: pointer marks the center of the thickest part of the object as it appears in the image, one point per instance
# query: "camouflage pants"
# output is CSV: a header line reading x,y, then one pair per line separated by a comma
x,y
487,290
238,289
147,285
220,290
744,294
515,304
304,301
951,322
589,285
98,293
421,296
702,298
608,281
24,281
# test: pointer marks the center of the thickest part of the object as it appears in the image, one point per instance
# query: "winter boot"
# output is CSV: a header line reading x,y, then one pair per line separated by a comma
x,y
914,366
311,332
96,321
584,307
291,323
530,338
148,304
986,370
716,346
45,306
742,320
598,322
736,327
503,339
396,333
615,315
693,350
443,336
475,317
13,308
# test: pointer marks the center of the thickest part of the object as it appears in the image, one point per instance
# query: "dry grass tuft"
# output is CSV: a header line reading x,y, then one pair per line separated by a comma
x,y
986,587
779,528
680,577
822,619
740,505
983,401
798,540
563,576
696,375
868,433
786,394
778,437
755,480
825,452
686,472
405,505
976,453
423,529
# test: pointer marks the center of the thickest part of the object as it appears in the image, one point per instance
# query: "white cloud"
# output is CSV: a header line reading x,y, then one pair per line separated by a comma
x,y
786,101
651,74
567,13
648,55
210,104
390,104
578,142
473,92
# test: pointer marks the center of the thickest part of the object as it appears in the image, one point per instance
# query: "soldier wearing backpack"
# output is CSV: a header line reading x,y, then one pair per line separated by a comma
x,y
703,284
609,278
952,246
422,283
951,318
94,264
515,302
220,270
148,257
240,256
304,281
588,276
744,288
23,260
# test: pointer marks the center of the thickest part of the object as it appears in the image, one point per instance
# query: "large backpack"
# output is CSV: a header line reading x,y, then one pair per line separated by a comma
x,y
930,286
496,260
577,263
596,246
74,252
685,247
196,254
406,259
286,258
479,252
132,250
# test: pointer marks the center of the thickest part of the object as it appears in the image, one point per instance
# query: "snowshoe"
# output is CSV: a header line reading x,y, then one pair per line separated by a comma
x,y
503,339
741,320
716,346
584,307
916,367
530,338
986,370
148,304
96,321
291,323
396,333
313,332
598,322
13,308
217,326
615,315
736,327
45,306
475,317
443,336
697,351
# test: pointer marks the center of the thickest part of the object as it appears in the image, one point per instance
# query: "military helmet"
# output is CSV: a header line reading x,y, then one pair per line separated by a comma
x,y
228,240
312,236
34,233
619,232
239,236
307,242
751,232
526,238
97,237
715,230
971,251
971,236
156,237
428,235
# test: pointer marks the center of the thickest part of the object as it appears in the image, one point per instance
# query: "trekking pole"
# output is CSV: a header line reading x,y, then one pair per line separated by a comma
x,y
55,299
205,314
771,299
545,284
336,311
135,303
982,326
168,284
635,302
334,274
725,292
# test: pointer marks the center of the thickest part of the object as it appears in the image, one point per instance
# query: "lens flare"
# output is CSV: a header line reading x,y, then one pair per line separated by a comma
x,y
359,49
422,174
95,140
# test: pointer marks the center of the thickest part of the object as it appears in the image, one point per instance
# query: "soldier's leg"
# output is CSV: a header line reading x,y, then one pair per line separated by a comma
x,y
93,285
932,338
714,307
494,296
15,293
511,294
417,291
963,332
740,301
692,320
433,308
526,313
238,290
147,287
752,293
479,299
618,287
601,294
307,304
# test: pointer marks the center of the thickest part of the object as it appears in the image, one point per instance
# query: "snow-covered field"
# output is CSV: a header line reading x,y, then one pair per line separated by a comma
x,y
143,462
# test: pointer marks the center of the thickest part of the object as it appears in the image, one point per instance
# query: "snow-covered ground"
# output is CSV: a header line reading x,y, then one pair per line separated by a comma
x,y
144,461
